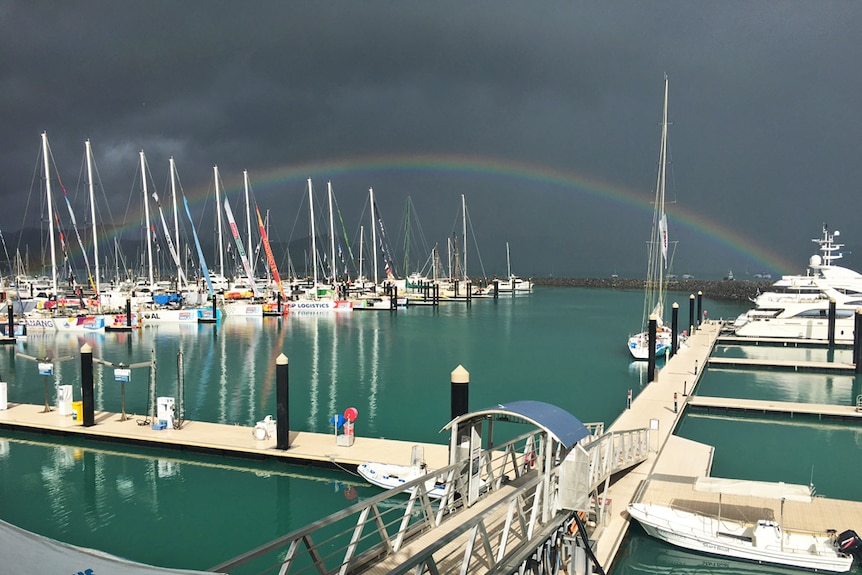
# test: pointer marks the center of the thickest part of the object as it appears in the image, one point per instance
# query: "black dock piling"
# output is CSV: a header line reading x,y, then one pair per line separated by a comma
x,y
11,331
674,332
699,307
87,402
857,341
653,326
691,314
460,386
282,399
831,324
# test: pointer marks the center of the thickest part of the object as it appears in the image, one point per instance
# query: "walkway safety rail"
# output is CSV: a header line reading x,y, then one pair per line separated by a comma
x,y
371,530
587,469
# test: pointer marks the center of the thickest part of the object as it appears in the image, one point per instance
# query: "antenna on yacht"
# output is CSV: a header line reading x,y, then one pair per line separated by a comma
x,y
811,482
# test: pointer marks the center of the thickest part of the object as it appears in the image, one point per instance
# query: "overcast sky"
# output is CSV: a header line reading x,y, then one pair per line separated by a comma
x,y
545,115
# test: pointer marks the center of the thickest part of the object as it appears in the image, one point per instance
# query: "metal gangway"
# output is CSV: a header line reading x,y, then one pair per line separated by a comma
x,y
507,508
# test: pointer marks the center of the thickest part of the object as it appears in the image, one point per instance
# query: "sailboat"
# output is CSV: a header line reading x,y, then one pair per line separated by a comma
x,y
318,296
513,284
656,279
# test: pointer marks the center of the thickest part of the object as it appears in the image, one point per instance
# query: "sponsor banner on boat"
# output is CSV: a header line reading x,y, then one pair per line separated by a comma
x,y
318,305
82,323
40,323
244,310
170,316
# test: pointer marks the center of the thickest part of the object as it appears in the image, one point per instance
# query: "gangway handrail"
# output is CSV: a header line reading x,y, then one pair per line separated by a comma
x,y
615,451
522,513
496,464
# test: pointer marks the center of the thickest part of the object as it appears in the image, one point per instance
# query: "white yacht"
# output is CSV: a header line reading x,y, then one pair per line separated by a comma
x,y
761,539
798,307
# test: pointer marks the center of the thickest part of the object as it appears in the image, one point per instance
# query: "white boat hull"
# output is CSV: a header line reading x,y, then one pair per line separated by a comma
x,y
243,309
639,345
76,324
763,543
159,316
794,328
389,476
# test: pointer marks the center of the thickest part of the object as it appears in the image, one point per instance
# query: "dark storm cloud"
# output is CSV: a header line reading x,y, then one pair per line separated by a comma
x,y
764,101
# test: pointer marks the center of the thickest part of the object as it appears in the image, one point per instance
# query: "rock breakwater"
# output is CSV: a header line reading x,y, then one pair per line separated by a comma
x,y
729,290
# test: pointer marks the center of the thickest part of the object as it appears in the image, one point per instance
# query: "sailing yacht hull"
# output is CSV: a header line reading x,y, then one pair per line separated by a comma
x,y
639,344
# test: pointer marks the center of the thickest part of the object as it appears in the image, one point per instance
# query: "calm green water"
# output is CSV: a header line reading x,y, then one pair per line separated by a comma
x,y
562,346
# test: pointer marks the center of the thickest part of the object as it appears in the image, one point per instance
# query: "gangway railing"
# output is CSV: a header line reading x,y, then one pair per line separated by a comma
x,y
379,528
616,451
587,469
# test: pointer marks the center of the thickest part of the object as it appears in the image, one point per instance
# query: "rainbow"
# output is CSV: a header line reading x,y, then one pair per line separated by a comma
x,y
274,180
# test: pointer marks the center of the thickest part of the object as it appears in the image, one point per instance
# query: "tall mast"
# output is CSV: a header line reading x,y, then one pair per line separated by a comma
x,y
361,247
313,241
268,271
661,191
50,210
373,235
218,214
464,236
248,219
331,233
93,214
176,224
147,217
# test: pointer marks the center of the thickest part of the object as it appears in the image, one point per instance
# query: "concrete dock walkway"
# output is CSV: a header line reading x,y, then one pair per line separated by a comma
x,y
315,449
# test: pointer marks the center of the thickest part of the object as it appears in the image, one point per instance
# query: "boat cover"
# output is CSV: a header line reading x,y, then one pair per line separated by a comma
x,y
763,489
559,423
25,552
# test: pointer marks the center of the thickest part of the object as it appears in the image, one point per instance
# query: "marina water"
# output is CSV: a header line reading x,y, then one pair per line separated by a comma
x,y
562,346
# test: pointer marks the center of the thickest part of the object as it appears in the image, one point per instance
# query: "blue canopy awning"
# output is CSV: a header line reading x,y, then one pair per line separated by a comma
x,y
559,423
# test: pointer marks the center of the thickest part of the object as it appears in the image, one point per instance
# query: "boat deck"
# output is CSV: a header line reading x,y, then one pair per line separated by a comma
x,y
316,449
820,515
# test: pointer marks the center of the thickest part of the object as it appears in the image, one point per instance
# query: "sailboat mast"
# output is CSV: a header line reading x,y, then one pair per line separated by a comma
x,y
147,217
373,235
93,213
173,168
655,289
361,247
218,215
50,210
313,241
331,233
248,219
464,235
268,271
662,224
